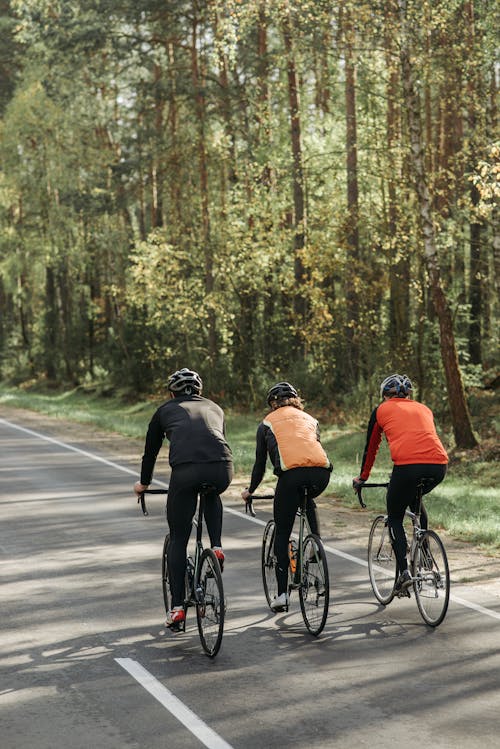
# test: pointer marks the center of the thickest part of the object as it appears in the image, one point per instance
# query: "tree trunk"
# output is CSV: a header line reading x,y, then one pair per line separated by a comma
x,y
352,233
199,92
462,426
399,266
299,221
476,251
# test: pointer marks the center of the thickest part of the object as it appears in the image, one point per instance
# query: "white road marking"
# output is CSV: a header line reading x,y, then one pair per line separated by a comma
x,y
177,708
349,557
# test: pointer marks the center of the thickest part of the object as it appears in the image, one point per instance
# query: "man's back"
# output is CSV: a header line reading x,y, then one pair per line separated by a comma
x,y
194,426
410,432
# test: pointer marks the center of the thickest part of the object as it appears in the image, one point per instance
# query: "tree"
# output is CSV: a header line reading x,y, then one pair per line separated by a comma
x,y
462,426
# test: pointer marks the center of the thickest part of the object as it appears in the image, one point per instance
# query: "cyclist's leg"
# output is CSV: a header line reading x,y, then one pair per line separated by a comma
x,y
316,480
428,471
402,486
181,506
218,475
286,503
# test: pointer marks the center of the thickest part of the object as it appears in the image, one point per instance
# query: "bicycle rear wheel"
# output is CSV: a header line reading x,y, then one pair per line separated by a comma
x,y
382,565
314,591
165,582
429,566
269,562
210,603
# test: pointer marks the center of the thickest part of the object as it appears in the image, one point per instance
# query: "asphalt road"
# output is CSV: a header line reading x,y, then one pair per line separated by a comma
x,y
85,661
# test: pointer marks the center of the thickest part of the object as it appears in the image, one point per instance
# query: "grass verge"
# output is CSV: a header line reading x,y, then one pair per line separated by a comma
x,y
466,504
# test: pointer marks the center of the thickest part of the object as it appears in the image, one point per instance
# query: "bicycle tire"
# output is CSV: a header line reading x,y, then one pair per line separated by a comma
x,y
268,561
382,566
314,591
210,602
165,582
429,567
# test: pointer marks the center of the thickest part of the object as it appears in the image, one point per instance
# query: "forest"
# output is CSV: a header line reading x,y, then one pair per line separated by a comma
x,y
257,189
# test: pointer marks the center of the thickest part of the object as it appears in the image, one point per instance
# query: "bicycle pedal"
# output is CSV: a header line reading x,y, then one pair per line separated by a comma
x,y
177,627
404,593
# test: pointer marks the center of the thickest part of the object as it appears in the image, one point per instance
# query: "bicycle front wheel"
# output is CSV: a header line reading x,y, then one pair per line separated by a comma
x,y
210,603
429,567
165,582
269,562
382,565
314,591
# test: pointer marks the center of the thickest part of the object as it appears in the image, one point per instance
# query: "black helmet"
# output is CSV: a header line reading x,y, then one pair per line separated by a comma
x,y
396,384
281,390
185,382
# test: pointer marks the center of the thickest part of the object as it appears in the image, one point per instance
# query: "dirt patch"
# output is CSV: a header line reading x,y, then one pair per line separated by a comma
x,y
338,523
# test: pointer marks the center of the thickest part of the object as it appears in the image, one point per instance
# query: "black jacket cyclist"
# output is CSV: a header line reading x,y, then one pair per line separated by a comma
x,y
290,437
416,452
198,454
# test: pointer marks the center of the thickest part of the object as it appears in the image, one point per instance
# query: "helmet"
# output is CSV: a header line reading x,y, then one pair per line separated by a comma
x,y
281,390
185,381
396,384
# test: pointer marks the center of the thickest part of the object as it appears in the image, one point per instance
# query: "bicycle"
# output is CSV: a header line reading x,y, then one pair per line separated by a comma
x,y
307,570
203,581
428,562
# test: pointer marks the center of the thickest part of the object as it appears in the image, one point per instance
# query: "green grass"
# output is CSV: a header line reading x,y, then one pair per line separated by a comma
x,y
467,503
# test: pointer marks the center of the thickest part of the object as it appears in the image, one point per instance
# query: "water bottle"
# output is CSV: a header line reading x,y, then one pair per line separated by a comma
x,y
292,554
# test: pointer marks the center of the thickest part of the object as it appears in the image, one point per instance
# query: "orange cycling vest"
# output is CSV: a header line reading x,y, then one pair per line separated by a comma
x,y
296,434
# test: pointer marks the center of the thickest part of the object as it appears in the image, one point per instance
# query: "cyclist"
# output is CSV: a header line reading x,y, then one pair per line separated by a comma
x,y
416,452
290,437
198,454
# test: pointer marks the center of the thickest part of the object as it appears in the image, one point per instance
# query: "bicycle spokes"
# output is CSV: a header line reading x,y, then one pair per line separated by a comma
x,y
431,578
268,563
314,590
210,603
381,561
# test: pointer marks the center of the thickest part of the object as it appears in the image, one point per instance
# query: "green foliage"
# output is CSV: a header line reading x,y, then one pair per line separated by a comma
x,y
147,208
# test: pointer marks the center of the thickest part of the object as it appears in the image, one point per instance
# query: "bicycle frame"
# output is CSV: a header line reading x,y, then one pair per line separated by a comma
x,y
428,563
301,513
203,581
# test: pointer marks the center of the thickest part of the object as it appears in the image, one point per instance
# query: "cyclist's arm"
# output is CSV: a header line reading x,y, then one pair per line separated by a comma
x,y
373,439
154,441
259,467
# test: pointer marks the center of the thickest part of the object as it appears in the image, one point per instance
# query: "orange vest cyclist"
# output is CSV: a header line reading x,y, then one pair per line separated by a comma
x,y
416,452
290,437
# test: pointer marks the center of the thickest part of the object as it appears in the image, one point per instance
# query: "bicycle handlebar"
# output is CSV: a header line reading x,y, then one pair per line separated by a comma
x,y
140,498
249,500
360,488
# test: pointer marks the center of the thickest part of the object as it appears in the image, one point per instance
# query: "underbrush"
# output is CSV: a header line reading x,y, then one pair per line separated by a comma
x,y
466,504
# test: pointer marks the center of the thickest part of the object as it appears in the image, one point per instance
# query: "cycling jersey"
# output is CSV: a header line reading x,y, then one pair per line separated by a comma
x,y
410,432
194,427
291,438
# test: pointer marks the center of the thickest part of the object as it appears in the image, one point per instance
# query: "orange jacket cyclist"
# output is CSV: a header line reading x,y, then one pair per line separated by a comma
x,y
416,452
290,437
198,454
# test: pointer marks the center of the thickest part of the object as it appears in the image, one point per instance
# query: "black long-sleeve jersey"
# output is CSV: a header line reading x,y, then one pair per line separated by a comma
x,y
195,429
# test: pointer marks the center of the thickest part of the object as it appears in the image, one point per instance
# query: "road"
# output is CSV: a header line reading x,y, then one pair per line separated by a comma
x,y
85,661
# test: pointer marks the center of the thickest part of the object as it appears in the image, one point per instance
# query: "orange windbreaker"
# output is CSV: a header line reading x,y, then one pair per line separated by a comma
x,y
410,432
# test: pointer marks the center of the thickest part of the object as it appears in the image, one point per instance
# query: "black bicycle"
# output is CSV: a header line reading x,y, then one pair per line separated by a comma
x,y
428,562
307,569
203,588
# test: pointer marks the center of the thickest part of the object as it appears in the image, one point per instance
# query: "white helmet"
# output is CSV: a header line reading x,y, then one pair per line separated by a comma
x,y
396,385
185,382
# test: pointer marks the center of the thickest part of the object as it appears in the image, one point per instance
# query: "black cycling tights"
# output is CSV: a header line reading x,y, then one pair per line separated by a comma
x,y
402,493
185,482
287,498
